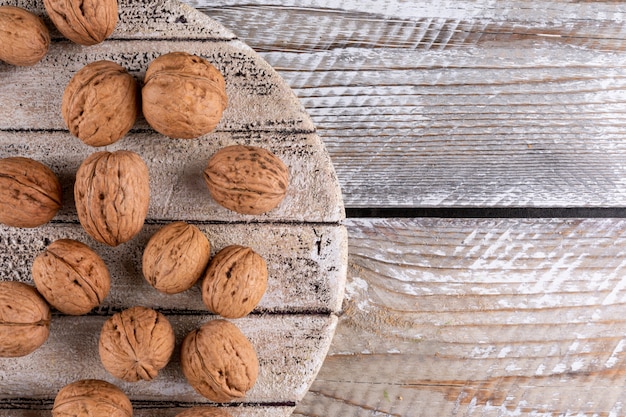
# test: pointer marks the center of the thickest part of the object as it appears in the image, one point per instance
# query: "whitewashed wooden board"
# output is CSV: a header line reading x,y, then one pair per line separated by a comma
x,y
303,240
437,103
479,317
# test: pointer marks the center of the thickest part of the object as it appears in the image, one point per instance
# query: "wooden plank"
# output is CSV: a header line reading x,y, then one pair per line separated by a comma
x,y
509,10
288,360
479,317
302,264
177,187
424,24
454,103
257,97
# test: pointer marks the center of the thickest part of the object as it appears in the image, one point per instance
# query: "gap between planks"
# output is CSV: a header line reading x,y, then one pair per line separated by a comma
x,y
355,212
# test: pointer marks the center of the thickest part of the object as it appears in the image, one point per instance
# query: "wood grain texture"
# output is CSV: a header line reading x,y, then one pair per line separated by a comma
x,y
295,254
177,188
70,354
450,104
471,317
262,111
292,327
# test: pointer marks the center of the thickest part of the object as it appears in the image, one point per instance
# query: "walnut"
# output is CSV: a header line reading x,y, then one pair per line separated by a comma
x,y
71,276
183,95
86,22
136,343
100,103
246,179
112,195
234,282
218,361
175,257
201,411
24,38
91,398
30,193
24,319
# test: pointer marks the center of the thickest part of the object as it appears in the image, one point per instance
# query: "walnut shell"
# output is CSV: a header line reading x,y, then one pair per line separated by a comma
x,y
136,343
71,276
86,22
175,257
24,38
246,179
201,411
24,319
218,361
183,95
91,398
112,195
100,103
30,193
234,282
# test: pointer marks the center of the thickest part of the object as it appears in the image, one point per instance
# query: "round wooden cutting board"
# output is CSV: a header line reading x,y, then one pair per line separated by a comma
x,y
303,240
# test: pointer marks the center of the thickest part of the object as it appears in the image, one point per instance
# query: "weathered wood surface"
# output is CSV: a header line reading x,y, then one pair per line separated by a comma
x,y
465,103
302,265
177,187
469,103
287,347
444,103
484,317
302,241
262,111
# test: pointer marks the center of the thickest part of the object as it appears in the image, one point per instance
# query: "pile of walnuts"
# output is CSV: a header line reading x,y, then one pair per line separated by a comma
x,y
183,96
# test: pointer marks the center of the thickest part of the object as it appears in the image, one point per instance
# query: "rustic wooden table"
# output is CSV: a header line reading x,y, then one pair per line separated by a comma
x,y
481,151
